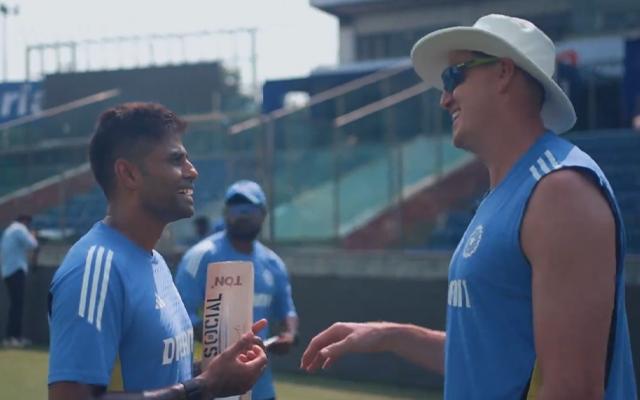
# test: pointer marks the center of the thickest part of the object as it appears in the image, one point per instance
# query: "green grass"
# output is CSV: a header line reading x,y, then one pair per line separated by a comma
x,y
300,387
23,375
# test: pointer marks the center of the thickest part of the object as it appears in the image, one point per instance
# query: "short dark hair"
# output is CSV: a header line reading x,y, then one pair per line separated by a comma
x,y
128,131
24,218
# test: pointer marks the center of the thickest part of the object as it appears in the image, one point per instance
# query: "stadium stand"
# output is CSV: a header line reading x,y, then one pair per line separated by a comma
x,y
617,154
328,180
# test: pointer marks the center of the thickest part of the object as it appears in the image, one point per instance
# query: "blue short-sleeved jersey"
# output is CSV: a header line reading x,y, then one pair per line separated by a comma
x,y
272,292
115,311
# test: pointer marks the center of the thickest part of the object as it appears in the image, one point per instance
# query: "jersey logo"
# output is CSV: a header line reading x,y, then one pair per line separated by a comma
x,y
473,242
178,347
546,164
92,295
267,276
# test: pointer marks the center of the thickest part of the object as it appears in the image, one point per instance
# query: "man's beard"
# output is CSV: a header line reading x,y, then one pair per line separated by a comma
x,y
246,234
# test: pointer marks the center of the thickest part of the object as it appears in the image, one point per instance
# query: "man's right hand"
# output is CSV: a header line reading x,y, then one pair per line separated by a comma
x,y
236,370
421,346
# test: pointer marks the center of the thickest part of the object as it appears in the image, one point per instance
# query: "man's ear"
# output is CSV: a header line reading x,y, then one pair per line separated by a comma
x,y
127,174
507,74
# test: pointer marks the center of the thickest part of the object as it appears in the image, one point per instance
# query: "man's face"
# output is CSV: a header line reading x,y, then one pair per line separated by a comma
x,y
168,175
243,221
470,102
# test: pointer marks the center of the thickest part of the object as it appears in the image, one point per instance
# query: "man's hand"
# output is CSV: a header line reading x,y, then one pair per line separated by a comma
x,y
339,339
236,370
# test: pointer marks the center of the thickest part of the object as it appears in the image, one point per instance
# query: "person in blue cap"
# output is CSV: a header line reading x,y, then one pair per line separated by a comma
x,y
244,212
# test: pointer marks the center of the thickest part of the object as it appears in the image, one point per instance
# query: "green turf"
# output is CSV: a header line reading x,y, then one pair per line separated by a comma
x,y
23,375
298,387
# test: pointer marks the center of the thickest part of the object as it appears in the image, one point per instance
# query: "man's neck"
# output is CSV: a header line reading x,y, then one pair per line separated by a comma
x,y
506,146
137,225
241,246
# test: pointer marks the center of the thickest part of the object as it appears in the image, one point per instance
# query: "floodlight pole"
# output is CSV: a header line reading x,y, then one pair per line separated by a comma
x,y
6,12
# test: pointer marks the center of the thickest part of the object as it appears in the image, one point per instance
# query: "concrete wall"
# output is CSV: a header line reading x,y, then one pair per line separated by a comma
x,y
185,89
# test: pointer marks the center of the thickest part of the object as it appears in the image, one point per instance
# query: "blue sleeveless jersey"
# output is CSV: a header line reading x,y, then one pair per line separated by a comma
x,y
116,318
490,352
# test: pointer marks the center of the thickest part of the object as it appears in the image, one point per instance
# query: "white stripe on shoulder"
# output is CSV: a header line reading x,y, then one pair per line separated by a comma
x,y
195,256
543,166
94,285
103,292
85,281
552,159
535,173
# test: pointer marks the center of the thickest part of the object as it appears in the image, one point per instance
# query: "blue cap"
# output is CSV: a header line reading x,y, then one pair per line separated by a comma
x,y
249,190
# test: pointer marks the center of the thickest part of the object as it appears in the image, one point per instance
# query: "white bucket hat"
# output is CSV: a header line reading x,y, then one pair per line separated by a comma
x,y
505,37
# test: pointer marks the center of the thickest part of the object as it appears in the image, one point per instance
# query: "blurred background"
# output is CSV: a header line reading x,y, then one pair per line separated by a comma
x,y
317,101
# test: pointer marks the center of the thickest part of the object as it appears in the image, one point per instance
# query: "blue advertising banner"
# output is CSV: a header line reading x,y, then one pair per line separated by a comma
x,y
18,99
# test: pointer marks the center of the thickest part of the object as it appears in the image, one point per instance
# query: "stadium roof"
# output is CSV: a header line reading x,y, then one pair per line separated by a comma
x,y
353,7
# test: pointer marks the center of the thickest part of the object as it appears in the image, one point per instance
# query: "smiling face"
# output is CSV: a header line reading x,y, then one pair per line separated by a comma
x,y
166,191
471,104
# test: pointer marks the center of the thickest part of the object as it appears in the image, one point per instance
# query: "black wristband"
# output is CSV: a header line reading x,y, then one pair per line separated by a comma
x,y
192,390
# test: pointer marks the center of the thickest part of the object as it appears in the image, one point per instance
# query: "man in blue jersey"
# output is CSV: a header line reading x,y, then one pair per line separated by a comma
x,y
244,213
536,289
117,321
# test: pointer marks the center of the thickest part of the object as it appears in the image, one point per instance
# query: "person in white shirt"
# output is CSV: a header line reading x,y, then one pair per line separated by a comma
x,y
16,244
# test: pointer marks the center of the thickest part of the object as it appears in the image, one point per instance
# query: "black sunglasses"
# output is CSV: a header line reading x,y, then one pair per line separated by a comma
x,y
454,75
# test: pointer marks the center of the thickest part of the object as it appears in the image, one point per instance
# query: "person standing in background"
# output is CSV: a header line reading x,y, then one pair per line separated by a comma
x,y
16,243
245,209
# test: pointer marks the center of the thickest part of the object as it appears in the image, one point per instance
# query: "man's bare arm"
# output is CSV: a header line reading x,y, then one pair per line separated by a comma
x,y
569,236
421,346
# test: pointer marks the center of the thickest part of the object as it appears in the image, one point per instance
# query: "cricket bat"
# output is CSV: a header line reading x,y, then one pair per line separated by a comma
x,y
228,309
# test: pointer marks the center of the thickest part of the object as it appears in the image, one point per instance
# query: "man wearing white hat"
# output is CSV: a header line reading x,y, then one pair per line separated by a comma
x,y
536,305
